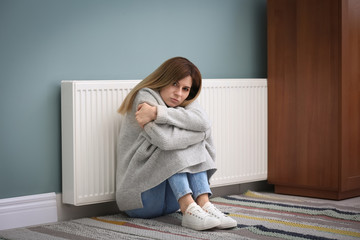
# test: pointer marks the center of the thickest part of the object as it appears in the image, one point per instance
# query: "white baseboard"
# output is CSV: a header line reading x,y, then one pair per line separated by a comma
x,y
27,211
68,212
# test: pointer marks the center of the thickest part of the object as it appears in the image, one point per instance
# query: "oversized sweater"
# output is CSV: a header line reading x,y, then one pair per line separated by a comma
x,y
178,140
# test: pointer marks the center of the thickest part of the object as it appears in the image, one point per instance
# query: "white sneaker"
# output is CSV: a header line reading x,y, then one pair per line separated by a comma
x,y
226,221
196,218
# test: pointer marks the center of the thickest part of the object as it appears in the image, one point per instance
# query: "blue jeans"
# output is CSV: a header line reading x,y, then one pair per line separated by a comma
x,y
163,199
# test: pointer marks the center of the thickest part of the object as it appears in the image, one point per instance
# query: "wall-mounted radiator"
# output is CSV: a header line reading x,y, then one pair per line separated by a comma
x,y
90,125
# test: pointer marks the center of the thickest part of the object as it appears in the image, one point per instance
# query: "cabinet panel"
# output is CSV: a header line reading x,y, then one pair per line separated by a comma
x,y
282,93
303,93
350,168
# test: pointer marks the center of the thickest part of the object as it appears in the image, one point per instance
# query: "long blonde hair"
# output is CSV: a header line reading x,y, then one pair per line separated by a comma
x,y
172,70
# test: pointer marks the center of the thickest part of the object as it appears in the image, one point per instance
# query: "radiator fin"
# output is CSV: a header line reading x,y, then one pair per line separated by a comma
x,y
238,111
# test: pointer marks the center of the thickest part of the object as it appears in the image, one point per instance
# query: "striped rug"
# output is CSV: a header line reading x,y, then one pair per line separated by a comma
x,y
259,216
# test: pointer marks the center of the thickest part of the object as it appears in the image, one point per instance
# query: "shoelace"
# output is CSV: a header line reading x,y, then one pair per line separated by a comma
x,y
214,211
197,212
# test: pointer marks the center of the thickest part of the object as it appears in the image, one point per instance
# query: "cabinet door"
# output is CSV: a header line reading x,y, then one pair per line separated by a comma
x,y
304,93
350,129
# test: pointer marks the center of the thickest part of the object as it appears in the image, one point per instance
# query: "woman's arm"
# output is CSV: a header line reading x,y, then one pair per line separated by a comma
x,y
145,113
164,136
191,117
168,137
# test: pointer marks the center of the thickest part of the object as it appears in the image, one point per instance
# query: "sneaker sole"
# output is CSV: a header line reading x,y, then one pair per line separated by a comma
x,y
200,228
225,226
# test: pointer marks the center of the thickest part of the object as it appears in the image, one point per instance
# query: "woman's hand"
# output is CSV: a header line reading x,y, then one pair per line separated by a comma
x,y
145,113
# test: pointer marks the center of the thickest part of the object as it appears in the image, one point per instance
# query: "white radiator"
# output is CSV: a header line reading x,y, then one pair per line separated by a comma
x,y
90,125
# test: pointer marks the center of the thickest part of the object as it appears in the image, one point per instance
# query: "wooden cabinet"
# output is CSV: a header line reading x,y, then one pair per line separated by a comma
x,y
314,97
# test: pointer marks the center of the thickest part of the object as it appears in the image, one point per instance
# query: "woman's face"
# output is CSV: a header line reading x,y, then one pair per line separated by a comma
x,y
175,94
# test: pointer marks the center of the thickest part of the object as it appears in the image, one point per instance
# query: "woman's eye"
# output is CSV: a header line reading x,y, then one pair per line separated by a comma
x,y
186,89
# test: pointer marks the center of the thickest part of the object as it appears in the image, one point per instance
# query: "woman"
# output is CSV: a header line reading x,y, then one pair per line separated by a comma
x,y
165,153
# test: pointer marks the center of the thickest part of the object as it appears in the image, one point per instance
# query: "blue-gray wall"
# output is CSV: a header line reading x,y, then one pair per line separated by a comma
x,y
45,41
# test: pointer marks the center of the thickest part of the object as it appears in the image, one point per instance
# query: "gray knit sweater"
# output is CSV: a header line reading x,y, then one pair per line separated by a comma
x,y
178,140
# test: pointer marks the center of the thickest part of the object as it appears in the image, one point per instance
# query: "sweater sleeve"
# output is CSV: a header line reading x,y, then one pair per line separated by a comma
x,y
192,117
148,96
168,137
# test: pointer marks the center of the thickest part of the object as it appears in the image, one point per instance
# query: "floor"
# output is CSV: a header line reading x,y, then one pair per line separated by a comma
x,y
351,202
263,186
